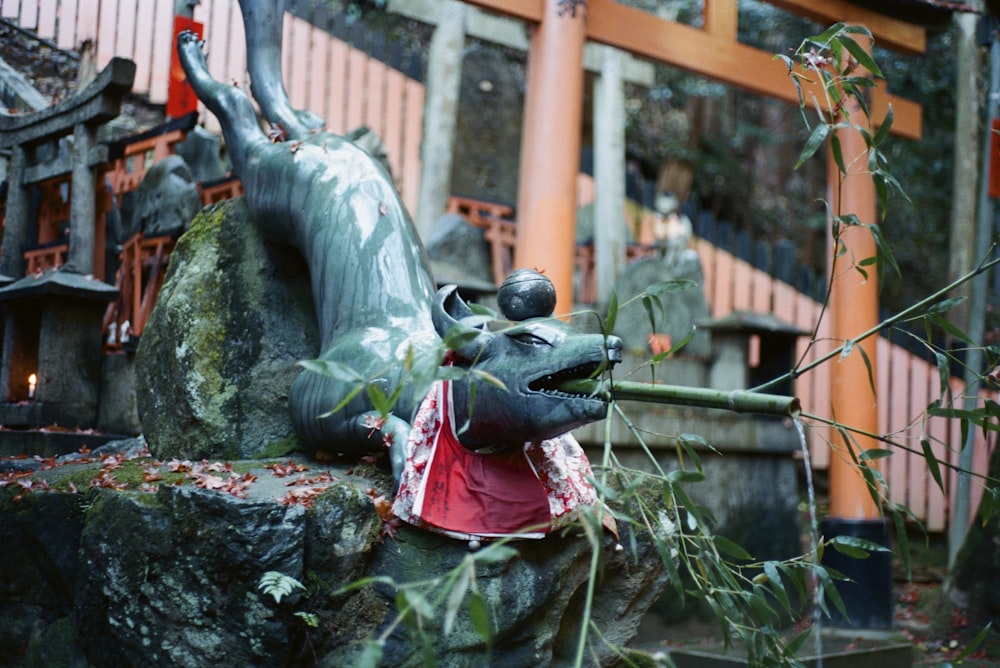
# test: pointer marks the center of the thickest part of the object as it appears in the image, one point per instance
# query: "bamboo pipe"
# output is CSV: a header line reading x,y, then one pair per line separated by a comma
x,y
739,401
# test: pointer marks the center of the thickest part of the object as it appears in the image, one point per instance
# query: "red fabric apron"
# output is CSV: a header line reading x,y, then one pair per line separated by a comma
x,y
523,492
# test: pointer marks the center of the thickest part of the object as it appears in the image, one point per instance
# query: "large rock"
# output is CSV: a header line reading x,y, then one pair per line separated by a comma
x,y
171,578
219,354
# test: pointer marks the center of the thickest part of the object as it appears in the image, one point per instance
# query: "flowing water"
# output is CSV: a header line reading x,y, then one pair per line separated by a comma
x,y
813,542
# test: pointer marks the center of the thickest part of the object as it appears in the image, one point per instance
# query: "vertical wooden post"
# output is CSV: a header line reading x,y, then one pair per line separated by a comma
x,y
444,78
854,513
609,173
853,309
550,148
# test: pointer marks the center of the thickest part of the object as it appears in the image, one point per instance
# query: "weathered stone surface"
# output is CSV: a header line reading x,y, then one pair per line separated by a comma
x,y
460,249
165,202
170,578
681,309
218,357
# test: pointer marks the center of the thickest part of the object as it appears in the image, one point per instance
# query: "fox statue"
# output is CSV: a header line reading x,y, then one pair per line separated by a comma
x,y
374,295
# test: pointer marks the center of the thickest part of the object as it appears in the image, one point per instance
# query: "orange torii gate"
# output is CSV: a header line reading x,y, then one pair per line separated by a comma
x,y
546,195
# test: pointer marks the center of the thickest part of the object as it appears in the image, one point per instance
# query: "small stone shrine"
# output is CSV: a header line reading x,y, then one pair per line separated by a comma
x,y
52,319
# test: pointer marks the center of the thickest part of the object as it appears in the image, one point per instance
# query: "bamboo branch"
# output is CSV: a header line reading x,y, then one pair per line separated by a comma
x,y
739,401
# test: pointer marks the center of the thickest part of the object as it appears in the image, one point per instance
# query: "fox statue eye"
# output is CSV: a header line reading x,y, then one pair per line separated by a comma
x,y
529,339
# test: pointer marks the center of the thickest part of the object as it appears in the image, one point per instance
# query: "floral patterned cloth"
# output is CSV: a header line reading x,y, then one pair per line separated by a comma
x,y
473,495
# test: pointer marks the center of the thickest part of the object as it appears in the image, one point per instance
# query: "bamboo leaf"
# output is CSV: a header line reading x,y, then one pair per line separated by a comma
x,y
379,401
647,304
986,505
974,643
830,591
868,366
488,378
872,454
902,539
838,153
479,613
816,139
727,546
685,476
612,317
414,600
950,328
932,463
823,39
456,596
777,585
346,400
884,127
861,55
371,656
495,554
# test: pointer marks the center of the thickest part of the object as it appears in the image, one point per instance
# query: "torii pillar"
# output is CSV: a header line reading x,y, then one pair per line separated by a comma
x,y
550,147
854,309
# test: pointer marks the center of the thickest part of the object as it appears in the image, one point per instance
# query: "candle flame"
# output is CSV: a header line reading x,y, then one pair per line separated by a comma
x,y
32,379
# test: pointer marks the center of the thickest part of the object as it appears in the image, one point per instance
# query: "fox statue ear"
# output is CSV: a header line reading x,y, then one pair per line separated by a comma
x,y
447,313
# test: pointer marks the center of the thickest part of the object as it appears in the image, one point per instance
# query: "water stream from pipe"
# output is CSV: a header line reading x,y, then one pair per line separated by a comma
x,y
813,542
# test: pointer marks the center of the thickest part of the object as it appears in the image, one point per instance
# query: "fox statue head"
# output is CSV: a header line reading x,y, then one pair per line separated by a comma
x,y
529,358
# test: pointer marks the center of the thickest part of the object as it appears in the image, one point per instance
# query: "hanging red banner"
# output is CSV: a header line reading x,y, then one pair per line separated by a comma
x,y
181,99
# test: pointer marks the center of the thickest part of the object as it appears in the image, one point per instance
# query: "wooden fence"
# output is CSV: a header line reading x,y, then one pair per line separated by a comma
x,y
349,88
905,385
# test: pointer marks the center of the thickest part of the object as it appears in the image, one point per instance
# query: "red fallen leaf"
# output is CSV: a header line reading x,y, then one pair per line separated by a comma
x,y
324,476
112,462
282,470
301,480
208,481
177,466
84,450
146,487
151,474
389,529
383,506
236,487
300,496
106,481
217,467
47,463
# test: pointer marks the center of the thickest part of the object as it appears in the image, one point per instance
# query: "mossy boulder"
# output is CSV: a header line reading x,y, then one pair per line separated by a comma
x,y
171,576
219,354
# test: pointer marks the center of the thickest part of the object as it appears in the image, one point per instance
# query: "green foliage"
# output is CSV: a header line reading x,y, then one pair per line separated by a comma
x,y
444,597
278,585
